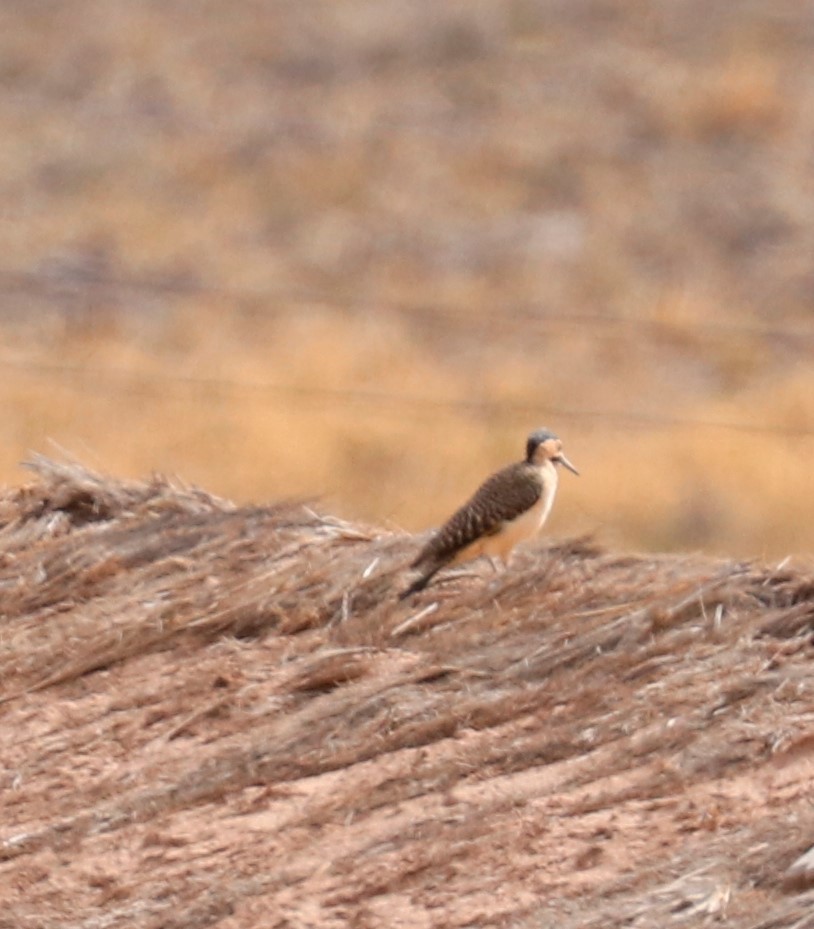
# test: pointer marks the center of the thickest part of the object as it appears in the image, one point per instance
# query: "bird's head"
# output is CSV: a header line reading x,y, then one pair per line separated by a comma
x,y
542,446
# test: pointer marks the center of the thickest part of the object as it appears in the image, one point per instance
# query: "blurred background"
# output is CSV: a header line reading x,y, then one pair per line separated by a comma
x,y
358,250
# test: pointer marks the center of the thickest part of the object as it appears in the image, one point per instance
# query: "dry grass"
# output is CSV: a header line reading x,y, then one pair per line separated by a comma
x,y
440,200
675,487
591,216
212,712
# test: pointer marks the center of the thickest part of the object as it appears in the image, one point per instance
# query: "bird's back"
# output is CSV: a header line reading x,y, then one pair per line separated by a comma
x,y
502,498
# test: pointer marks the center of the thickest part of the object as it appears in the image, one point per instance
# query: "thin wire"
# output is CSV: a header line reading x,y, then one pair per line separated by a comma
x,y
59,284
67,283
90,377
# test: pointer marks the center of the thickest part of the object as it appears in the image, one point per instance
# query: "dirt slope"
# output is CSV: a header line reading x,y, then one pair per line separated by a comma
x,y
219,716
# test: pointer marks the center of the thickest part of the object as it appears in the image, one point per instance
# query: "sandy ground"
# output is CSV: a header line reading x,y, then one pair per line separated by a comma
x,y
219,716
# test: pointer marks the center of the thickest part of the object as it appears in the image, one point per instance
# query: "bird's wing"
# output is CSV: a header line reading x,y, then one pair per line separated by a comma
x,y
500,499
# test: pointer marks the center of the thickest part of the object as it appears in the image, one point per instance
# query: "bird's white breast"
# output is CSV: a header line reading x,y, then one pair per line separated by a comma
x,y
528,524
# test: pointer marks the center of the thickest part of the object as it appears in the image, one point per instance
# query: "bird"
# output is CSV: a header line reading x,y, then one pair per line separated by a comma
x,y
509,507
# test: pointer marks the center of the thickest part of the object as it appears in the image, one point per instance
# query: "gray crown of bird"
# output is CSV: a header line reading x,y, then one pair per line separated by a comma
x,y
509,507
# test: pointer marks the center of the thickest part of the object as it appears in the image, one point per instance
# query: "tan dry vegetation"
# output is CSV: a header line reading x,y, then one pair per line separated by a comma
x,y
592,216
353,410
220,716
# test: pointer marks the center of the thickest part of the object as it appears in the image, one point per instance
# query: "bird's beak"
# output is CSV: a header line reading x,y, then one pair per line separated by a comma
x,y
566,463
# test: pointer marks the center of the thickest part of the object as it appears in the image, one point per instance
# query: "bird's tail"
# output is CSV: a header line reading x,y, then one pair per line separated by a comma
x,y
420,583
